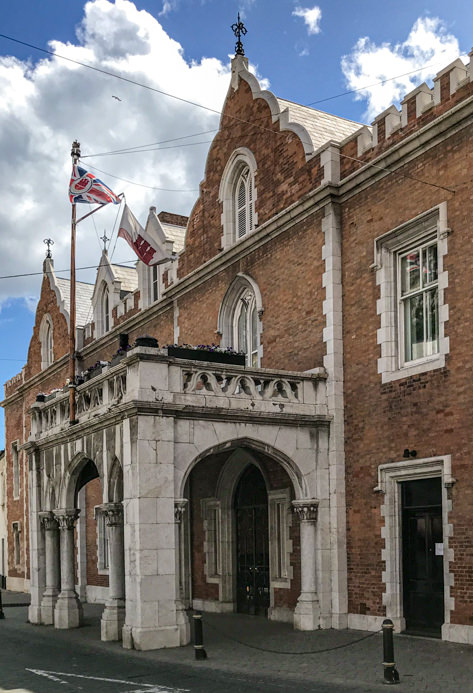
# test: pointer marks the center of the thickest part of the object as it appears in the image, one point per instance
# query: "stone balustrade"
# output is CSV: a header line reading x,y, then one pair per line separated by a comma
x,y
148,376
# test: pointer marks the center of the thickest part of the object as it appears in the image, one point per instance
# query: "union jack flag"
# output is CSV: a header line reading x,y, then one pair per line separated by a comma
x,y
85,187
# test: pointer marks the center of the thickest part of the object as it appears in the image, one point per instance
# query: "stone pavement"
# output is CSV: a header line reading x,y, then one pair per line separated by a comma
x,y
350,659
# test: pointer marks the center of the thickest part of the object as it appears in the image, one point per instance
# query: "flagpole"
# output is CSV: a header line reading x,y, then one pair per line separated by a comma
x,y
75,154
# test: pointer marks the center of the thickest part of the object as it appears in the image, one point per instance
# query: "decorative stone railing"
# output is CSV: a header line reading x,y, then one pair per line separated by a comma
x,y
147,376
92,398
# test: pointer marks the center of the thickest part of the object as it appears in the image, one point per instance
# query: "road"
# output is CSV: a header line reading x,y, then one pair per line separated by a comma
x,y
42,660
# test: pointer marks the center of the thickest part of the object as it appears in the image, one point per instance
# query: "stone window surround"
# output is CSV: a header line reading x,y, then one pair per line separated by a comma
x,y
426,226
46,339
211,518
239,159
102,541
241,285
389,477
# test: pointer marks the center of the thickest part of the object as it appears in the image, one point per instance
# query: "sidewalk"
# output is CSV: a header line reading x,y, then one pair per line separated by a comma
x,y
10,598
346,658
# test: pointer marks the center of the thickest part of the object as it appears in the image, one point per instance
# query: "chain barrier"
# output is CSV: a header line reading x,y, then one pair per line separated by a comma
x,y
282,652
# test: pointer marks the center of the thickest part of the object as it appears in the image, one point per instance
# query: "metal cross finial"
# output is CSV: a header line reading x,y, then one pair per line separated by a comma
x,y
104,239
239,30
49,242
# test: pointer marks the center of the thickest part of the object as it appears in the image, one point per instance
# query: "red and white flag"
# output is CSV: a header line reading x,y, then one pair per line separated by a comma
x,y
150,249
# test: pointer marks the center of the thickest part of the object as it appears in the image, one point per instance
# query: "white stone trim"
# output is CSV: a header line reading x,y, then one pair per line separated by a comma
x,y
428,225
333,363
212,606
279,501
47,349
389,476
241,158
457,633
96,594
242,284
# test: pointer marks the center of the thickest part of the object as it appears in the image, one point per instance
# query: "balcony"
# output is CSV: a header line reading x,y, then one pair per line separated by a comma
x,y
149,379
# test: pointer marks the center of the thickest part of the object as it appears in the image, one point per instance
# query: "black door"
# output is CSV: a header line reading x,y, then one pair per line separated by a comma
x,y
251,507
423,556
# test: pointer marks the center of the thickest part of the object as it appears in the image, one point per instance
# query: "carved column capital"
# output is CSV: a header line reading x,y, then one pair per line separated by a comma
x,y
306,509
66,518
179,508
47,519
113,514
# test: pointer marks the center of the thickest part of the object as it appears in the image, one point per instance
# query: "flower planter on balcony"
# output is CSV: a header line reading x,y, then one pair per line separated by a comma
x,y
228,357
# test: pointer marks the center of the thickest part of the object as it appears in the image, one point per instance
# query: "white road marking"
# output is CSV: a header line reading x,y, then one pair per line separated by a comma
x,y
149,687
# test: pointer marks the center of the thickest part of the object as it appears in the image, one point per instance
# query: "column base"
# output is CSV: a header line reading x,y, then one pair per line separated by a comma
x,y
307,612
68,611
48,604
183,624
113,618
34,614
150,638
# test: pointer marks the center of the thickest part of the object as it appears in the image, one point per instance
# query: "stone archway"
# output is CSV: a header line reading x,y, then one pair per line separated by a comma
x,y
212,486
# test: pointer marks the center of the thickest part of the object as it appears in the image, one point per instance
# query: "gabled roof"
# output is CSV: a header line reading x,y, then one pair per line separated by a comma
x,y
127,276
83,299
176,234
322,127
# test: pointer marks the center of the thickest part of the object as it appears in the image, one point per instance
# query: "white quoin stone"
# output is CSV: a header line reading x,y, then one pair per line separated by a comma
x,y
330,161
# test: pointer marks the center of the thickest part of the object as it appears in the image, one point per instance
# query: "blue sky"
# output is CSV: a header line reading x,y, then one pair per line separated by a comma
x,y
304,51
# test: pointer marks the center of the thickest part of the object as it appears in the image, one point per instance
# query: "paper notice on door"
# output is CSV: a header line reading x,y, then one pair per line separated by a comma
x,y
439,549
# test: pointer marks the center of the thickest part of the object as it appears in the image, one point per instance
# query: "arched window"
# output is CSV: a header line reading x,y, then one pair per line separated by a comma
x,y
239,319
46,340
103,310
244,203
245,327
237,194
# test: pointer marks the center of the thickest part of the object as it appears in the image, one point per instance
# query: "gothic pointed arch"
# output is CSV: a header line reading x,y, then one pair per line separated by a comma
x,y
239,319
46,340
238,195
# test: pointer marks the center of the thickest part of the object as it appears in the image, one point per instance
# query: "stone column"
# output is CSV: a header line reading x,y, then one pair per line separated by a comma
x,y
68,611
37,568
181,615
307,611
51,532
113,616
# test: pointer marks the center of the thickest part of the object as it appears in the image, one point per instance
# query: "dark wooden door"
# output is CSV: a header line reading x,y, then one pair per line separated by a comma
x,y
423,556
251,507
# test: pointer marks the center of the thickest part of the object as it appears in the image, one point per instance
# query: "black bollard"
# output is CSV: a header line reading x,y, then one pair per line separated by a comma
x,y
199,650
2,615
391,674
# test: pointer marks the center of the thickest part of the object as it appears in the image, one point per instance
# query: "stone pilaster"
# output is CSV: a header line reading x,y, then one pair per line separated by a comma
x,y
68,611
307,611
37,568
51,593
113,616
181,615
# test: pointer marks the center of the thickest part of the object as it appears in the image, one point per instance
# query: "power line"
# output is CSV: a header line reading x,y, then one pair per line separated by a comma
x,y
139,147
35,274
141,185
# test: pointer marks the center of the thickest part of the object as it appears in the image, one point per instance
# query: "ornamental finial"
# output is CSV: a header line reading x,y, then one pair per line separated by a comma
x,y
239,30
49,242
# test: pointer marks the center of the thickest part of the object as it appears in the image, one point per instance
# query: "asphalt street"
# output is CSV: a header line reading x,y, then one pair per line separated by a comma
x,y
41,660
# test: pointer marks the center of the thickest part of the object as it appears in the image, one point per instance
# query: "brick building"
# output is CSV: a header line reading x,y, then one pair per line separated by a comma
x,y
326,482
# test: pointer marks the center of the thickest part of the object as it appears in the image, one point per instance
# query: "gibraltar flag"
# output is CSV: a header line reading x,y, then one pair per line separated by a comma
x,y
149,249
86,187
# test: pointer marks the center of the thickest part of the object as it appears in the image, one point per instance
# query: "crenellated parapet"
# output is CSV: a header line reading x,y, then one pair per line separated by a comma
x,y
420,107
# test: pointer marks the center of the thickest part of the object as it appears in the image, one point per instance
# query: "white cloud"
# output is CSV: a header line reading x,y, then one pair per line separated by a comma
x,y
168,6
428,48
311,17
45,106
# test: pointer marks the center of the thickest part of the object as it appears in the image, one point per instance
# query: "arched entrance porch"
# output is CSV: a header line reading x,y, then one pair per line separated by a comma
x,y
244,536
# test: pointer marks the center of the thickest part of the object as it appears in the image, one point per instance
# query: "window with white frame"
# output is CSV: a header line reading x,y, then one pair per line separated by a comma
x,y
418,301
244,212
280,519
240,319
409,270
16,543
15,470
245,328
212,538
238,195
46,341
103,310
154,283
103,549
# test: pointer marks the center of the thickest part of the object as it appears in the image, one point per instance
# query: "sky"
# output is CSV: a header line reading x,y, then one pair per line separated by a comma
x,y
179,51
